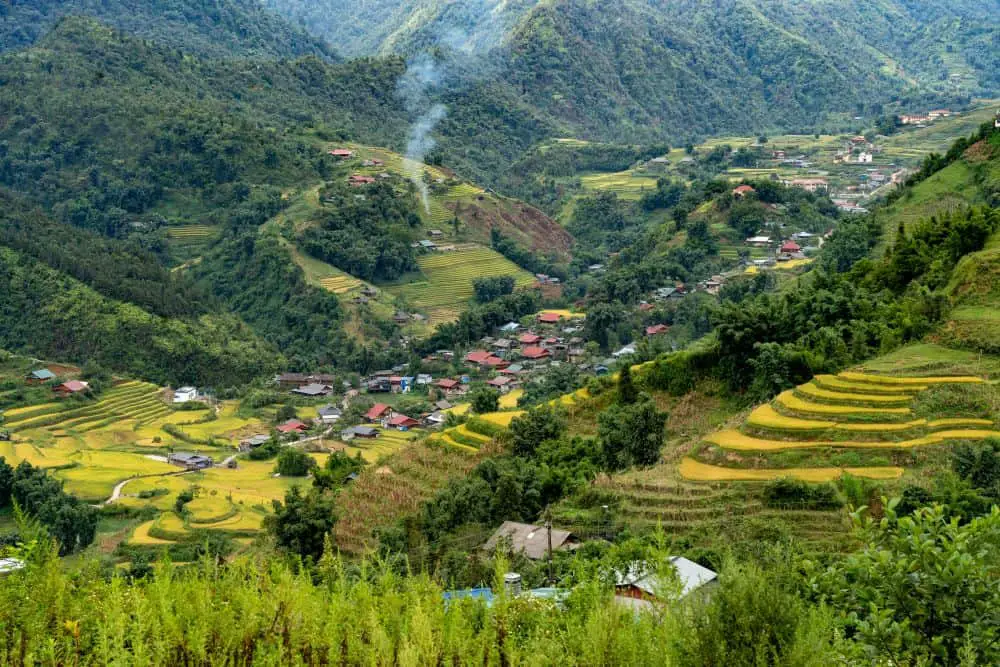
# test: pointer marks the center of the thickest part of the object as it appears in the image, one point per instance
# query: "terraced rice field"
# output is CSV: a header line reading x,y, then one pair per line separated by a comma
x,y
192,234
704,472
449,276
627,185
138,401
340,284
849,411
509,400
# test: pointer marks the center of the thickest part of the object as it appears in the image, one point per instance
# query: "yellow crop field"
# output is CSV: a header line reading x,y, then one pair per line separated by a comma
x,y
789,400
735,440
42,457
10,414
463,430
812,391
703,472
447,440
502,418
765,416
567,314
959,421
509,400
865,427
892,380
460,409
836,383
141,535
449,277
207,508
627,185
791,264
252,483
340,284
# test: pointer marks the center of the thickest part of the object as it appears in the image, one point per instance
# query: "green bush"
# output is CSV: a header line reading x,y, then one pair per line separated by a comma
x,y
789,492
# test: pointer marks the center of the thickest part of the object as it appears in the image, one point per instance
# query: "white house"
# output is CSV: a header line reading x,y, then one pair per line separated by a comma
x,y
185,394
865,158
624,352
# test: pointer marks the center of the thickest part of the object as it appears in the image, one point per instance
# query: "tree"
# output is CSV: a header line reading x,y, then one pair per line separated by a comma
x,y
338,467
922,590
284,413
302,523
491,288
293,462
631,434
535,427
484,400
627,391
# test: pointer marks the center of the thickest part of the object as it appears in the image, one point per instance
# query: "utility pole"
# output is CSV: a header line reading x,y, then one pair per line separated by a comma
x,y
548,530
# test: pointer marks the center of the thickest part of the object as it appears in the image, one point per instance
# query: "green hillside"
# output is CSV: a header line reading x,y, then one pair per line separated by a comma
x,y
221,28
685,68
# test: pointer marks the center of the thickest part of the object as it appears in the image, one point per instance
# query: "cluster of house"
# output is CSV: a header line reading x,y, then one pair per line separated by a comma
x,y
924,119
46,375
638,586
431,244
788,249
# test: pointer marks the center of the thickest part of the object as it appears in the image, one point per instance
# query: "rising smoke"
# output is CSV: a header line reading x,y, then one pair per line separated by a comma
x,y
426,75
423,76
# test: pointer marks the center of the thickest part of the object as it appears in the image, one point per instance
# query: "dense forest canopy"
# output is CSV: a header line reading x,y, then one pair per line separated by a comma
x,y
218,28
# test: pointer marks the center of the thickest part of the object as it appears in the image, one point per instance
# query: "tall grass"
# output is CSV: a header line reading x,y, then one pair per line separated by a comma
x,y
259,613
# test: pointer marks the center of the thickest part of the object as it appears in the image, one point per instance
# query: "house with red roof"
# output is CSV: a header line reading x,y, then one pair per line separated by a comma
x,y
529,339
742,191
293,426
478,357
790,246
70,387
657,329
535,353
503,383
496,363
378,411
357,180
450,387
549,318
402,422
342,153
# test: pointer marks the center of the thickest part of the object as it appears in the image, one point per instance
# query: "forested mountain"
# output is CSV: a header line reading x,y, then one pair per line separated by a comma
x,y
654,68
218,28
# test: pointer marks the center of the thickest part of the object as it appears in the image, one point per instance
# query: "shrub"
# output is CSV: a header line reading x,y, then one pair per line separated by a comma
x,y
791,492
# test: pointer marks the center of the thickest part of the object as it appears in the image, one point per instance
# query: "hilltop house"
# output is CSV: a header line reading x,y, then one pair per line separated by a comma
x,y
40,376
810,184
357,180
532,541
329,414
342,153
402,422
185,395
742,191
314,389
293,426
549,318
790,247
377,412
657,329
364,432
190,461
639,582
71,387
758,241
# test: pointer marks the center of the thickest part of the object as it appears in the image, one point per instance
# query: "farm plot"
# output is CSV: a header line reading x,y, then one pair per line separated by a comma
x,y
131,400
704,472
449,276
626,184
852,410
384,494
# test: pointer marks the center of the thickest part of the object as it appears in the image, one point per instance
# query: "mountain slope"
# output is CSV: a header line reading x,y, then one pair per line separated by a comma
x,y
680,68
207,27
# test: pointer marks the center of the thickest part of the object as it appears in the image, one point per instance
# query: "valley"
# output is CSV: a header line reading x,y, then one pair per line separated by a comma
x,y
499,332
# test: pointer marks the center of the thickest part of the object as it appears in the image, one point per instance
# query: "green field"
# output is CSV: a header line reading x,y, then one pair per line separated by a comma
x,y
627,185
447,285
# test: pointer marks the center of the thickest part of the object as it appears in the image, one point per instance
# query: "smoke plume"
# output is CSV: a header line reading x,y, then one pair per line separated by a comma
x,y
423,76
